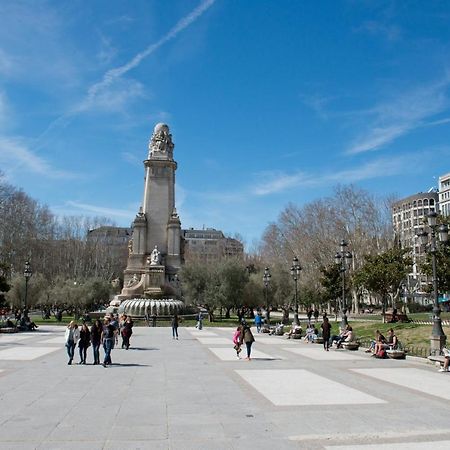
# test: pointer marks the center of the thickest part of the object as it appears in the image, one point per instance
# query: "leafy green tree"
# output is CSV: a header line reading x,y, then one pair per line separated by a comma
x,y
384,274
231,279
16,295
281,291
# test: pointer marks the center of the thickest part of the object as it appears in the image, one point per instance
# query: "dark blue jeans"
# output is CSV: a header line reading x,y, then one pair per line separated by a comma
x,y
174,331
96,351
108,345
70,346
249,348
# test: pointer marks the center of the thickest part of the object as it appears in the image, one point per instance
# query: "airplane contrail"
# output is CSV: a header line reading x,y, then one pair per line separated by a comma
x,y
113,74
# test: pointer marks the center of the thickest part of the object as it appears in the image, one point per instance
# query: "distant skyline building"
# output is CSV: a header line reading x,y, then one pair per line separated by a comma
x,y
444,194
114,240
408,216
210,245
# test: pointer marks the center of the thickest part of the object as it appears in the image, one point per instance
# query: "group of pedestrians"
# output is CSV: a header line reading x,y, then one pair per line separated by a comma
x,y
104,334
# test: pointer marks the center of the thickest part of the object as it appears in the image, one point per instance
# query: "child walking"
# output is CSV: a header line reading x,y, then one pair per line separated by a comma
x,y
236,340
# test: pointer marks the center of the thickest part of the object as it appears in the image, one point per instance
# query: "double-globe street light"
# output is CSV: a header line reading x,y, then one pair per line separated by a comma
x,y
27,273
343,258
295,272
438,336
266,280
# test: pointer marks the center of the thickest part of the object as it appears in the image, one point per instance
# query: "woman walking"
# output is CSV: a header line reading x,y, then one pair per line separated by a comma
x,y
71,337
96,339
248,338
84,342
175,323
326,330
127,331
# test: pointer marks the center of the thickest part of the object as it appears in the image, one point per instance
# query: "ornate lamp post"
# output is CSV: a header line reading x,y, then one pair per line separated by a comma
x,y
27,273
295,272
438,336
343,259
266,280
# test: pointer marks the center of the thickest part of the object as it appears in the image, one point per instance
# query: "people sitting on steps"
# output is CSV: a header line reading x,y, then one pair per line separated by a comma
x,y
378,338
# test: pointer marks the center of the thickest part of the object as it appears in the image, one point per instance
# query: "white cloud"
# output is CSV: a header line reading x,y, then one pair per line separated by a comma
x,y
401,115
14,153
113,99
390,32
112,213
131,158
277,181
6,63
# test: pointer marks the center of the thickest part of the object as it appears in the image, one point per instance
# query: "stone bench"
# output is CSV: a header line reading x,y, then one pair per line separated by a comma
x,y
437,359
318,340
8,330
350,345
396,354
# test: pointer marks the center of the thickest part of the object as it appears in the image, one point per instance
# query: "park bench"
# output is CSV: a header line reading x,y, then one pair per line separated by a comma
x,y
9,330
390,317
318,340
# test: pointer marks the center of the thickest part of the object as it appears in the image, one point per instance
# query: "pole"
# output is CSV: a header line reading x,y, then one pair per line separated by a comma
x,y
296,303
25,299
266,285
438,336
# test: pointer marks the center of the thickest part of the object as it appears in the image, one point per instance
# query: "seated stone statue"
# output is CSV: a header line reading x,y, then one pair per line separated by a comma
x,y
132,281
155,257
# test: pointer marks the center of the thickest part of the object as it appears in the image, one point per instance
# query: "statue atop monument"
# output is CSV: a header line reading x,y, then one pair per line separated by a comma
x,y
161,144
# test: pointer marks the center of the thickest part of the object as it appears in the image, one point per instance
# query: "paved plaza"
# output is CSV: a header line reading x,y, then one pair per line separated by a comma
x,y
195,394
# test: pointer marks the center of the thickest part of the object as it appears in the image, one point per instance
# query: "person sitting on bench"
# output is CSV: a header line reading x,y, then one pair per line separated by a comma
x,y
338,338
446,353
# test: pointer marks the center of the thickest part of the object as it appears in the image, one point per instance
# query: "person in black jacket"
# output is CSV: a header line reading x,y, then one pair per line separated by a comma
x,y
96,339
84,342
175,323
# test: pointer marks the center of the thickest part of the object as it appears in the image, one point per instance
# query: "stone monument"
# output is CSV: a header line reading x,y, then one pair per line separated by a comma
x,y
155,251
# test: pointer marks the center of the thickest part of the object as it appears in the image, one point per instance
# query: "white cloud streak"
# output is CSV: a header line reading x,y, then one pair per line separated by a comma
x,y
100,94
101,210
277,182
401,116
14,152
112,75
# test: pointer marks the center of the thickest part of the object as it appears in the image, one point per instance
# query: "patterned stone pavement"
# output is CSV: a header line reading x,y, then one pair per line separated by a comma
x,y
195,393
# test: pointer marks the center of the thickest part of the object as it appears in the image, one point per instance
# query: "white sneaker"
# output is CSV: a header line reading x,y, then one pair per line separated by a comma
x,y
442,370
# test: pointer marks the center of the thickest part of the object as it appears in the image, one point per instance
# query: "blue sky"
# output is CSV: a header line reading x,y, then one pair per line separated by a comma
x,y
268,102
